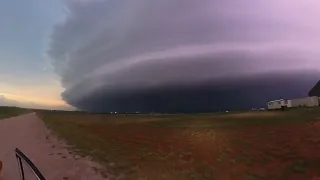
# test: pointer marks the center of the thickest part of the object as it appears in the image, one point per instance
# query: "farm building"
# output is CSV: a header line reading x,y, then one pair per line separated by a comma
x,y
312,101
301,102
278,104
315,91
305,102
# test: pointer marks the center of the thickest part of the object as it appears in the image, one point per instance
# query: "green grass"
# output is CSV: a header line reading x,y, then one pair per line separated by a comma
x,y
299,166
6,112
229,120
209,120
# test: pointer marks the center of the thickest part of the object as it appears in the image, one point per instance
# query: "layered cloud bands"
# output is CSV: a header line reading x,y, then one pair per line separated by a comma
x,y
184,55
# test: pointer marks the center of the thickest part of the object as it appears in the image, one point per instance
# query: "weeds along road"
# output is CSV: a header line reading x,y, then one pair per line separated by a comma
x,y
29,134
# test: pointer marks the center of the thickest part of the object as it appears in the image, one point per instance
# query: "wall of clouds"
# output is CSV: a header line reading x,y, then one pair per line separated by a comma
x,y
114,52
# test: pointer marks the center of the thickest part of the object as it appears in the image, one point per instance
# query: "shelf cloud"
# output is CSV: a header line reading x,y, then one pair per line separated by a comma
x,y
140,55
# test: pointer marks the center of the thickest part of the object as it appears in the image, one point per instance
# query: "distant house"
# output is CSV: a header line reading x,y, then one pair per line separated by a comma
x,y
279,104
315,91
305,102
300,102
312,101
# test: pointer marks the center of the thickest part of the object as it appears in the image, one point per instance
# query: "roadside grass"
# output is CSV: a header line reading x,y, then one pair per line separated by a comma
x,y
243,118
195,146
6,112
299,166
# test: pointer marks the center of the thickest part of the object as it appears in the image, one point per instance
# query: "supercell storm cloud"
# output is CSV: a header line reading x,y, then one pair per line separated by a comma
x,y
185,55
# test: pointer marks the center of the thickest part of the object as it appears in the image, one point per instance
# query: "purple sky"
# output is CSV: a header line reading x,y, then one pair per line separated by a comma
x,y
115,45
135,44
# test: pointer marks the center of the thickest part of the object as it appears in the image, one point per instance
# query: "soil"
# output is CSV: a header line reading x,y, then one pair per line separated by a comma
x,y
51,156
278,151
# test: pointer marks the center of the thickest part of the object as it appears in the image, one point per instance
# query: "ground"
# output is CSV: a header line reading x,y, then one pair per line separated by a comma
x,y
247,145
51,156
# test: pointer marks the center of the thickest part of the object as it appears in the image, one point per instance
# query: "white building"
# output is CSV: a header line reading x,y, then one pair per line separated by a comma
x,y
278,104
301,102
306,102
312,101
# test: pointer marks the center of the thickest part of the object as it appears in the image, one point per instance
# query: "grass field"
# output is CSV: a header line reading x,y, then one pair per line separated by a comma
x,y
6,112
248,145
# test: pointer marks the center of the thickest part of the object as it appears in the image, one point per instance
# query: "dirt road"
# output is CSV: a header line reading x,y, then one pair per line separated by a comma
x,y
29,134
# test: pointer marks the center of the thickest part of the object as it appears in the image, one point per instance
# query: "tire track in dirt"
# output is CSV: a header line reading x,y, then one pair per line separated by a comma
x,y
29,134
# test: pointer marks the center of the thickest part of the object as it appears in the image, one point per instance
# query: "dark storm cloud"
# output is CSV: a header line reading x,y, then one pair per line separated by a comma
x,y
141,54
208,96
